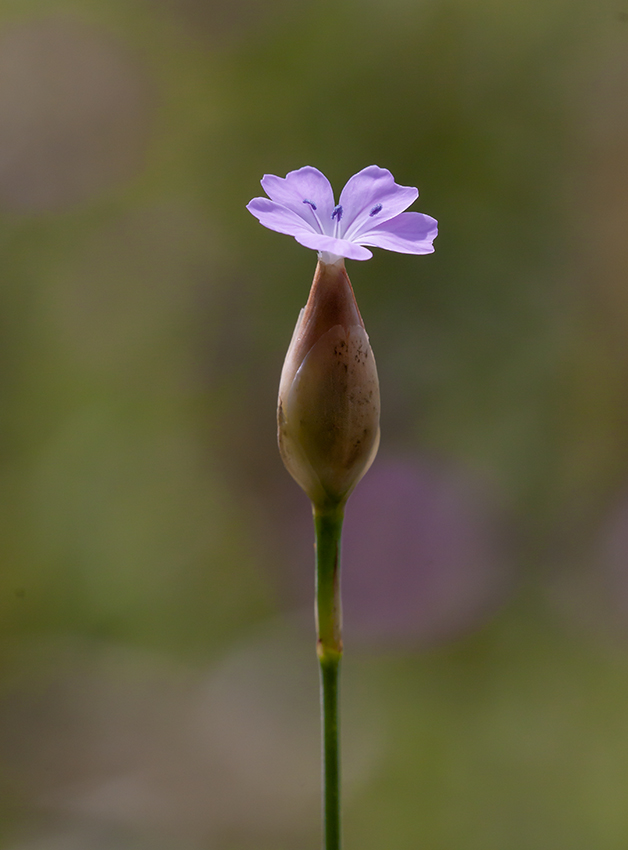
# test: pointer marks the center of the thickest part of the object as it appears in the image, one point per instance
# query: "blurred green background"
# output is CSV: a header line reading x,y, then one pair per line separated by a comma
x,y
158,681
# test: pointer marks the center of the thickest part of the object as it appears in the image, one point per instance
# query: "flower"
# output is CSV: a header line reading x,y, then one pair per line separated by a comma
x,y
329,404
328,407
370,212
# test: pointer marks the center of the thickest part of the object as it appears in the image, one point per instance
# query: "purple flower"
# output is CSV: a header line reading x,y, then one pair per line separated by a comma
x,y
370,212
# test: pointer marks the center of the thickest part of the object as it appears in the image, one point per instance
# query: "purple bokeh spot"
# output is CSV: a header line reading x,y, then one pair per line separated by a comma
x,y
615,546
426,554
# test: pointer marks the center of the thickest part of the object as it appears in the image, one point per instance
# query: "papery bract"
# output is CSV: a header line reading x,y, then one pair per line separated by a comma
x,y
328,407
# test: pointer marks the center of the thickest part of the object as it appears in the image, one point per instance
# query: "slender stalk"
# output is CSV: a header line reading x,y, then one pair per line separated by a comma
x,y
328,528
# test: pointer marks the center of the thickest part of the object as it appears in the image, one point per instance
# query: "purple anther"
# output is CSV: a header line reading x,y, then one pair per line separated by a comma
x,y
337,213
376,209
310,203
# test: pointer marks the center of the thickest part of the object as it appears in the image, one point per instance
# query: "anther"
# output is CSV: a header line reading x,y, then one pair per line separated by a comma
x,y
376,209
337,213
310,203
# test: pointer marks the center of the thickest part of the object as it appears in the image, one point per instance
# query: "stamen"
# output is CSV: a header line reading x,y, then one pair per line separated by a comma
x,y
337,213
376,209
312,206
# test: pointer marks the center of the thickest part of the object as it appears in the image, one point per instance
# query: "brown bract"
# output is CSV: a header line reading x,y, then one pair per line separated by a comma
x,y
328,407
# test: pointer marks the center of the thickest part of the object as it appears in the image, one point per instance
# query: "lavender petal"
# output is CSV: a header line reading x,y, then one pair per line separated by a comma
x,y
365,191
305,184
278,217
407,233
339,247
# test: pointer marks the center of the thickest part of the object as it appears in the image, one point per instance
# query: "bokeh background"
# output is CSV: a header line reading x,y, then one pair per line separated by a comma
x,y
158,683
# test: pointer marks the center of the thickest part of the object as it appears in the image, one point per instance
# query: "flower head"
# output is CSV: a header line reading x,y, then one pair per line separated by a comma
x,y
370,211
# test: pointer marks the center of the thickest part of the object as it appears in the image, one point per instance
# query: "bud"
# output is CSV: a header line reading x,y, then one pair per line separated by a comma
x,y
328,407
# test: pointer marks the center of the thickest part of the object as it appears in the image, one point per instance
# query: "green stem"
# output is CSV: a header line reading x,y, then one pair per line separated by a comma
x,y
328,528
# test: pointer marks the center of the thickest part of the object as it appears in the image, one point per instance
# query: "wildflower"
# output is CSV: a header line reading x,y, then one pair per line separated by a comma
x,y
370,211
328,406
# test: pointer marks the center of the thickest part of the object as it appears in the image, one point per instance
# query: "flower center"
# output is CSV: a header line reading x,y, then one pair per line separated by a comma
x,y
337,215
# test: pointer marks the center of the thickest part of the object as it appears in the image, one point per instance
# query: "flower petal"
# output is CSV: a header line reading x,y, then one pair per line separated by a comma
x,y
407,233
278,217
297,187
371,196
339,247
